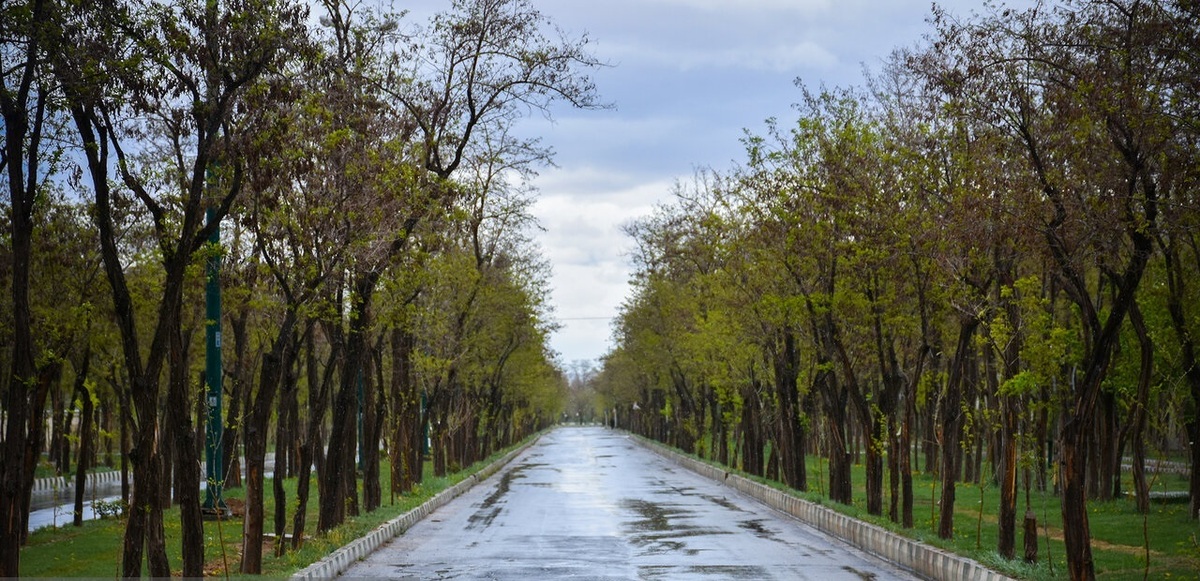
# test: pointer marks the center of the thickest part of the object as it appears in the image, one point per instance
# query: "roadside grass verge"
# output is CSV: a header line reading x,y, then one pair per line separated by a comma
x,y
1126,545
94,550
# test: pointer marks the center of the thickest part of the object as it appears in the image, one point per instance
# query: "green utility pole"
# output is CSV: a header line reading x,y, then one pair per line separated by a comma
x,y
214,504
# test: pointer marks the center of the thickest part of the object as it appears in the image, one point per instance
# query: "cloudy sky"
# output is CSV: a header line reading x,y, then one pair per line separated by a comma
x,y
687,77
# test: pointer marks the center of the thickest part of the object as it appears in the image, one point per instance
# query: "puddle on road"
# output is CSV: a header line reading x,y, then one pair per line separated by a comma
x,y
654,517
663,486
488,509
650,573
864,575
756,526
659,527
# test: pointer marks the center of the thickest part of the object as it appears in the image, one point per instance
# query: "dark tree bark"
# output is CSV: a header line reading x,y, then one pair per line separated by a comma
x,y
339,481
372,414
310,450
59,457
836,407
951,414
231,435
790,430
752,443
1137,411
405,414
275,364
48,378
85,432
1177,290
179,420
284,439
197,95
144,528
23,106
1010,416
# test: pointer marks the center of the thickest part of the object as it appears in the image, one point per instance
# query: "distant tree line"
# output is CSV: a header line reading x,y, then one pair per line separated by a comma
x,y
360,182
982,261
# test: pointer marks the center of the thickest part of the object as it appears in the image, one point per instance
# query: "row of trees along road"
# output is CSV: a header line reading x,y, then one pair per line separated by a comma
x,y
374,214
987,253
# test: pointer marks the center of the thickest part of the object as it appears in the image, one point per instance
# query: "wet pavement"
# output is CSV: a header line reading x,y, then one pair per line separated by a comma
x,y
588,503
56,507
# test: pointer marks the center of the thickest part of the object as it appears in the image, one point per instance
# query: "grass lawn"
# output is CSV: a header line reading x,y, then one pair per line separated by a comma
x,y
94,550
1164,544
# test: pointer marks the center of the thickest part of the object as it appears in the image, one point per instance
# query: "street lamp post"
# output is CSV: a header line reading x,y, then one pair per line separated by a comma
x,y
214,504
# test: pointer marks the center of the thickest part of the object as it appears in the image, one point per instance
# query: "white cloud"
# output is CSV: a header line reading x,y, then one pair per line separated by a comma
x,y
582,210
751,6
584,189
687,77
782,57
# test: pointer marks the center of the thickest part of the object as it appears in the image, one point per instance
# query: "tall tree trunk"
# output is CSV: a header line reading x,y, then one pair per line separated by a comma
x,y
145,526
311,450
372,495
951,414
85,432
48,378
1010,411
752,446
284,438
22,156
142,529
907,406
874,431
1086,394
58,424
1176,297
1072,475
274,365
406,415
180,404
836,405
790,430
339,480
231,435
1137,411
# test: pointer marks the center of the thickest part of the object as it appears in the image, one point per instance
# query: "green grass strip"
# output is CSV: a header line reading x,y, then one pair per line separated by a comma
x,y
94,550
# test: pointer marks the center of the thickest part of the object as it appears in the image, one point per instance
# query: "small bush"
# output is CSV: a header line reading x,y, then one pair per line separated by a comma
x,y
106,508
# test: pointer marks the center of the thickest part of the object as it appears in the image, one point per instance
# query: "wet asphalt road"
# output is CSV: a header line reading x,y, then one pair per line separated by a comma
x,y
587,503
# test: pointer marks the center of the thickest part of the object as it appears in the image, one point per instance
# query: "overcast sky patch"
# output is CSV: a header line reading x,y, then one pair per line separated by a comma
x,y
687,77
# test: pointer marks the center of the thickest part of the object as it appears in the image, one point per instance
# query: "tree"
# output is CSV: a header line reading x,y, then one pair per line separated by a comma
x,y
486,62
1090,124
25,103
185,69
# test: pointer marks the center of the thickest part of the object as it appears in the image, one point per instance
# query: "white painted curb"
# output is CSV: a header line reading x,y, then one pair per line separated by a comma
x,y
63,483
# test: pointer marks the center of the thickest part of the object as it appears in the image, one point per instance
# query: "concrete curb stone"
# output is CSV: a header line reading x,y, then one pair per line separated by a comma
x,y
65,482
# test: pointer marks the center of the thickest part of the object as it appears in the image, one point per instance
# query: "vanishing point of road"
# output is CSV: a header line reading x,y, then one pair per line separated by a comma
x,y
588,503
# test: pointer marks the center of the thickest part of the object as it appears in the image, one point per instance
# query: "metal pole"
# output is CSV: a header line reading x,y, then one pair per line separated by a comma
x,y
214,504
